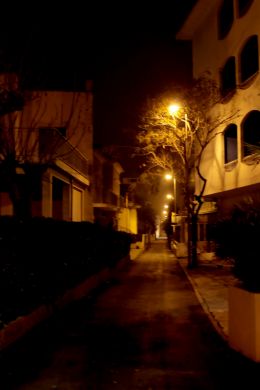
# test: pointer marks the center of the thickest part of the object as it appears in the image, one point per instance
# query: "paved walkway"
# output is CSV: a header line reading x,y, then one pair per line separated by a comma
x,y
145,330
210,281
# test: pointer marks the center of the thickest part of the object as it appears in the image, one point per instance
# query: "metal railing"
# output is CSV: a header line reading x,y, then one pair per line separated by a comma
x,y
47,145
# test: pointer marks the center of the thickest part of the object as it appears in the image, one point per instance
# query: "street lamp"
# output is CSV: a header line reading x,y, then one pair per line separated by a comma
x,y
173,108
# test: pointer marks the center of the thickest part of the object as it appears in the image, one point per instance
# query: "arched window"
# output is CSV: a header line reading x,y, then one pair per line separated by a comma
x,y
251,133
230,143
225,18
249,63
228,76
243,6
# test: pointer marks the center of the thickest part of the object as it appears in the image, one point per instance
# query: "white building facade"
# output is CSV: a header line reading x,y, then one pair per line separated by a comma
x,y
225,37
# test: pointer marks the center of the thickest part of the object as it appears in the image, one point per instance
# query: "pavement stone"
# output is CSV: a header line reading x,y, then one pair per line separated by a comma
x,y
210,281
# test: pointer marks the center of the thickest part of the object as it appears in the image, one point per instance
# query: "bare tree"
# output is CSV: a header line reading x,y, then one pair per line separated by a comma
x,y
175,142
36,129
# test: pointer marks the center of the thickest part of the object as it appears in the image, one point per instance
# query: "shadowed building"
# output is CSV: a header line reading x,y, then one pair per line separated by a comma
x,y
47,149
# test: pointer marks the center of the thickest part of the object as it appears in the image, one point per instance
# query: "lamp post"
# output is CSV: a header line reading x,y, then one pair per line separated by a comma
x,y
187,143
173,109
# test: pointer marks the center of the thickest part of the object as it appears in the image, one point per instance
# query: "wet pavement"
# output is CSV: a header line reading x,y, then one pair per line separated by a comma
x,y
152,327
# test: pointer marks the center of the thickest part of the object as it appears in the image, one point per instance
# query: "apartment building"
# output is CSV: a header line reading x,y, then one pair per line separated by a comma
x,y
225,37
113,205
106,190
49,140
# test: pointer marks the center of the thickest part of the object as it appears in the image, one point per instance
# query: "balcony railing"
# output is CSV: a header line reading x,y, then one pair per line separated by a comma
x,y
72,157
48,145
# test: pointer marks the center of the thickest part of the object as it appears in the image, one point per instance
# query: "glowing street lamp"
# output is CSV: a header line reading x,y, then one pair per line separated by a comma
x,y
168,176
169,196
173,108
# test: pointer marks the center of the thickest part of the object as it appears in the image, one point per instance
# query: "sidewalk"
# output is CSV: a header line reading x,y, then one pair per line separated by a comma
x,y
210,280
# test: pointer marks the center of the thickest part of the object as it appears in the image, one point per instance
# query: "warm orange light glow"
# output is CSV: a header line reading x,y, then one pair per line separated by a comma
x,y
166,206
168,176
164,212
169,196
173,108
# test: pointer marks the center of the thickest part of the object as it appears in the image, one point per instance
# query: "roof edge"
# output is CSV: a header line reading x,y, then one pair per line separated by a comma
x,y
195,18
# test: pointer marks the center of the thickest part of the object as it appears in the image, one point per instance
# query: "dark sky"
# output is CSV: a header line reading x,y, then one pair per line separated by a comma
x,y
122,89
129,52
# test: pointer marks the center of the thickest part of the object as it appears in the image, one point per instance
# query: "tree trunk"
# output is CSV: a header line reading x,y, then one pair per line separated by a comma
x,y
189,240
194,241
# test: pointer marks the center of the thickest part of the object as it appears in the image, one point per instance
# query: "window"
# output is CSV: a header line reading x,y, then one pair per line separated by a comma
x,y
228,77
230,143
249,64
225,18
251,133
243,6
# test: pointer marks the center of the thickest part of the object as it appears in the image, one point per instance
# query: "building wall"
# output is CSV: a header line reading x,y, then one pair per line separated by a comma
x,y
6,206
72,110
127,220
117,170
210,54
106,190
71,165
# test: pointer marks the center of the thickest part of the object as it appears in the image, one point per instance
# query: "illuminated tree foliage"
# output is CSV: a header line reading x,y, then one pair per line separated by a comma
x,y
175,142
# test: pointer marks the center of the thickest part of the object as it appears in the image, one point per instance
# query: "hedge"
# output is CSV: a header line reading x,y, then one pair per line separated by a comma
x,y
42,258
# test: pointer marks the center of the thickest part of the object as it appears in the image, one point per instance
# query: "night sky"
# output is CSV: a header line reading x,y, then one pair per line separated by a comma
x,y
131,54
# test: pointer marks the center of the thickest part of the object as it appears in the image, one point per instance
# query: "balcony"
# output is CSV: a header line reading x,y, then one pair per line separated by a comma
x,y
106,199
49,146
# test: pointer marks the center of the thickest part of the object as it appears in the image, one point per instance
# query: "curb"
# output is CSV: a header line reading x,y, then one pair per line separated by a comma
x,y
205,305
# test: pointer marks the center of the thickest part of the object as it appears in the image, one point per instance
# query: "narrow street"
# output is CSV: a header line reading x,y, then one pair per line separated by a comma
x,y
143,330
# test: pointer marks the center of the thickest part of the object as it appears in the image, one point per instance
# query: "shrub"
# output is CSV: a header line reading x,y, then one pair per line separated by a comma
x,y
238,237
42,258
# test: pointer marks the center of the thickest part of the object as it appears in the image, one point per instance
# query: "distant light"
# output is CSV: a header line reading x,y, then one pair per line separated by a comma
x,y
168,176
164,212
166,206
169,196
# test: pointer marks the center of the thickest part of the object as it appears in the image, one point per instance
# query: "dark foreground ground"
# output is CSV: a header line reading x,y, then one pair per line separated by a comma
x,y
145,329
